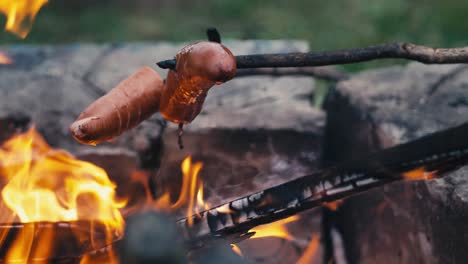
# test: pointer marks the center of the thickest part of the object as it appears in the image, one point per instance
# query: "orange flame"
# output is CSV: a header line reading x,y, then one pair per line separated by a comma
x,y
310,252
333,205
191,192
108,258
20,14
275,229
236,250
224,209
4,58
419,174
45,184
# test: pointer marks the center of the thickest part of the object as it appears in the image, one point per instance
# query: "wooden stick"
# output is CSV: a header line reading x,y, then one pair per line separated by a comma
x,y
325,73
406,51
434,154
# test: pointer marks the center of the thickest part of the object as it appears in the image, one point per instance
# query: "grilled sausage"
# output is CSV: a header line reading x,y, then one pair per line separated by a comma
x,y
132,101
199,66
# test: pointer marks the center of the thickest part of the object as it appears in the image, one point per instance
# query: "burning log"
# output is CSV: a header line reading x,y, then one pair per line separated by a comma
x,y
407,51
420,159
60,242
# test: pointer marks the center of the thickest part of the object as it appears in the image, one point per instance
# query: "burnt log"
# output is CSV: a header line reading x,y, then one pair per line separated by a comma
x,y
434,154
65,242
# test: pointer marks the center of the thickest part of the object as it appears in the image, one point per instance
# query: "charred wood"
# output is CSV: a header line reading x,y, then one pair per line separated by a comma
x,y
435,154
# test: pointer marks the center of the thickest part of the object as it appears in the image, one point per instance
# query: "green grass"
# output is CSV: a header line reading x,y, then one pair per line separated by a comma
x,y
324,24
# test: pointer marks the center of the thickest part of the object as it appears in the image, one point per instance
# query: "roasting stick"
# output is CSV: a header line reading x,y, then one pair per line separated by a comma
x,y
407,51
431,155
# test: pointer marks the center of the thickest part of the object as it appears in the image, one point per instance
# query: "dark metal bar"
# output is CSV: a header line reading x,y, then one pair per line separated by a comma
x,y
406,51
438,152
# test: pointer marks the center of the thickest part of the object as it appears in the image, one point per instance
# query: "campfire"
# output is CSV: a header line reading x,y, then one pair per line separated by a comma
x,y
58,208
50,199
216,193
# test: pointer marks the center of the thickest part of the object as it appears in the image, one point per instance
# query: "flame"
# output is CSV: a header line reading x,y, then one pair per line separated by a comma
x,y
275,229
236,250
310,252
20,14
224,209
190,196
4,58
419,174
108,258
45,184
334,205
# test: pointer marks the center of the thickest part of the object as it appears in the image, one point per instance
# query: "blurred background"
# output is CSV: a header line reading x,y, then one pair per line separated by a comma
x,y
324,24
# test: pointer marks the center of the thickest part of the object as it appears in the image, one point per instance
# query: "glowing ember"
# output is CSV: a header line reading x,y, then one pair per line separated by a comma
x,y
20,14
45,184
4,58
275,229
419,174
333,205
224,209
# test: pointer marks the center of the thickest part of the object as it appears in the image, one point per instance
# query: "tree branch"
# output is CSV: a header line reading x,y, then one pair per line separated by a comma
x,y
406,51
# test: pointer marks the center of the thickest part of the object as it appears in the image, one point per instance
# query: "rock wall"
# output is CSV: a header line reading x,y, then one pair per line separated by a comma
x,y
406,222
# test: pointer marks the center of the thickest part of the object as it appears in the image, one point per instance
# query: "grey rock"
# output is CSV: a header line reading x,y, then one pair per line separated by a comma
x,y
406,222
152,237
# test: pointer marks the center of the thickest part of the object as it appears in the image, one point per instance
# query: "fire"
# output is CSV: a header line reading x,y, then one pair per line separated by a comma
x,y
275,229
236,250
334,205
4,58
419,174
46,184
191,194
310,253
20,14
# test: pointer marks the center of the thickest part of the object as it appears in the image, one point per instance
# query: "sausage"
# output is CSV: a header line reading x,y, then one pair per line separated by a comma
x,y
199,66
132,101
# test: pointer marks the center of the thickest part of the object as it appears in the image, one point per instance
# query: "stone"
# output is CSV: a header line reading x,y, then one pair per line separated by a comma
x,y
404,222
151,237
